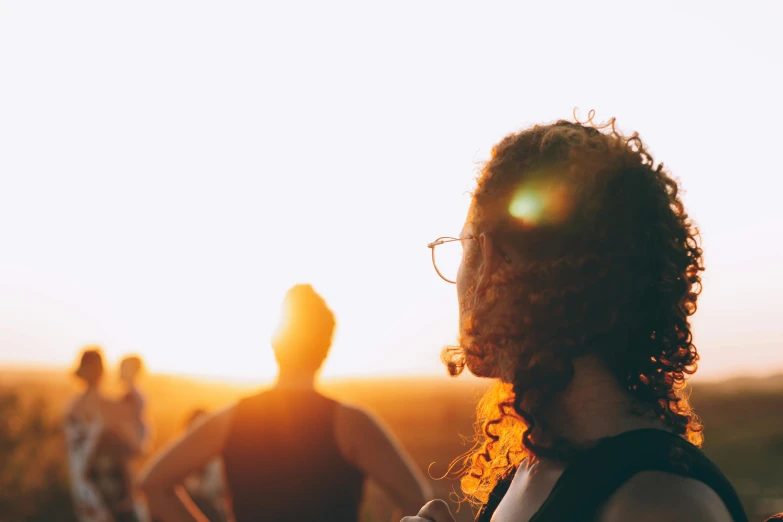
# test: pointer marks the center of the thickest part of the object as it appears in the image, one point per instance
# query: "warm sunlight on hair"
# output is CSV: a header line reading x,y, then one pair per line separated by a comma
x,y
305,330
282,324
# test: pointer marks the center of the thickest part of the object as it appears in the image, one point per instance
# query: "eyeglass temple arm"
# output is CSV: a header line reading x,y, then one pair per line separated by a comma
x,y
442,240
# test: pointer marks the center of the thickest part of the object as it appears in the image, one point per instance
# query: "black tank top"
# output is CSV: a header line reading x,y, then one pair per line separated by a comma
x,y
283,464
591,478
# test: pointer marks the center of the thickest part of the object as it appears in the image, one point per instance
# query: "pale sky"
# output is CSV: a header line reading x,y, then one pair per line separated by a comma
x,y
169,168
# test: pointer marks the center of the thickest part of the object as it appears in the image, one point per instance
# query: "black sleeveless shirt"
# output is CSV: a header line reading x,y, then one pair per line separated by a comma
x,y
591,478
282,461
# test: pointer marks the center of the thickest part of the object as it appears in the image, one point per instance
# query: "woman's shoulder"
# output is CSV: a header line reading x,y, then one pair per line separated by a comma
x,y
622,469
658,495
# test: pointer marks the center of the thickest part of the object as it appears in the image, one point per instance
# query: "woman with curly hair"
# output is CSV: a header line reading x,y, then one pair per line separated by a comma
x,y
579,269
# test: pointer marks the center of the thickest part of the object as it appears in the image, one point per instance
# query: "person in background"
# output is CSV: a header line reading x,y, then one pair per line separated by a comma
x,y
130,368
578,269
101,436
289,453
206,487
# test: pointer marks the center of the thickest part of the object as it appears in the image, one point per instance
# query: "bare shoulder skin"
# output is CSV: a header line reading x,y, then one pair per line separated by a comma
x,y
654,496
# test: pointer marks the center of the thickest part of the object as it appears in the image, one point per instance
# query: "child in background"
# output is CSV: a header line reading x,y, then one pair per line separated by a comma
x,y
130,369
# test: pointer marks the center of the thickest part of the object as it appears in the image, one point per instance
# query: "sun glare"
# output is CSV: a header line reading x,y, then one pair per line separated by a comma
x,y
535,204
283,318
527,205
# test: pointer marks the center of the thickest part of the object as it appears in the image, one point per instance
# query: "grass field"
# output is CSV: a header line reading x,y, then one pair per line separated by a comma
x,y
431,417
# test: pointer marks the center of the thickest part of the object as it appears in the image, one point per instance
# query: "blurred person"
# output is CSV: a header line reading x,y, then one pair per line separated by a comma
x,y
101,436
290,454
206,487
576,272
130,368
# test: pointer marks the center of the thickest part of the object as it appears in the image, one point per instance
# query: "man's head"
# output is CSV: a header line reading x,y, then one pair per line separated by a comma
x,y
577,243
90,368
304,336
130,368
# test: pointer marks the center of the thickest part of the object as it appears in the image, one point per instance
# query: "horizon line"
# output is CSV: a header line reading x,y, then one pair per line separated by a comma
x,y
251,381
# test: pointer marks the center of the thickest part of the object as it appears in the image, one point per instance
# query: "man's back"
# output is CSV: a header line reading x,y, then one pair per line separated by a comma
x,y
282,449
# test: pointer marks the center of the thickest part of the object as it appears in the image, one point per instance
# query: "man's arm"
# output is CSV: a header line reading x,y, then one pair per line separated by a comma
x,y
161,479
373,449
655,496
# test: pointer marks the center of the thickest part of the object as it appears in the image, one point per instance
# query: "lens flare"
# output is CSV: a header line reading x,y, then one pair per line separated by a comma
x,y
540,204
527,205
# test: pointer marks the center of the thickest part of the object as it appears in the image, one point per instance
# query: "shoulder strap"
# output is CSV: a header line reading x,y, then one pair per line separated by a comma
x,y
485,515
594,476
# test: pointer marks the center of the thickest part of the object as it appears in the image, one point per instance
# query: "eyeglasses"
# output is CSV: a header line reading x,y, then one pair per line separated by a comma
x,y
448,258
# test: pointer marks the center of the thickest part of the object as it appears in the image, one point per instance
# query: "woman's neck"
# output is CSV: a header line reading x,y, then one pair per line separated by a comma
x,y
92,389
594,406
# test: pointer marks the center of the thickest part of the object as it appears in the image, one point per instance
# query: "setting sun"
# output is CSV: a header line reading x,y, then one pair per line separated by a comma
x,y
334,261
172,223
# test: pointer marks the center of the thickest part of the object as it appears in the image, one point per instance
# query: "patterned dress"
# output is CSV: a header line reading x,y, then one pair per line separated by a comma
x,y
101,482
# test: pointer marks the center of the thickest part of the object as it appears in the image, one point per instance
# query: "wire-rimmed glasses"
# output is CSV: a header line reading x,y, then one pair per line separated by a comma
x,y
448,257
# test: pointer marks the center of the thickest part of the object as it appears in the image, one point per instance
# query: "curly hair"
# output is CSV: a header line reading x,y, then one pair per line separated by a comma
x,y
610,267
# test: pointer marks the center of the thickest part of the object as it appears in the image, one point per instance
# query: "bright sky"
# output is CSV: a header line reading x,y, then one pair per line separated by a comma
x,y
169,168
